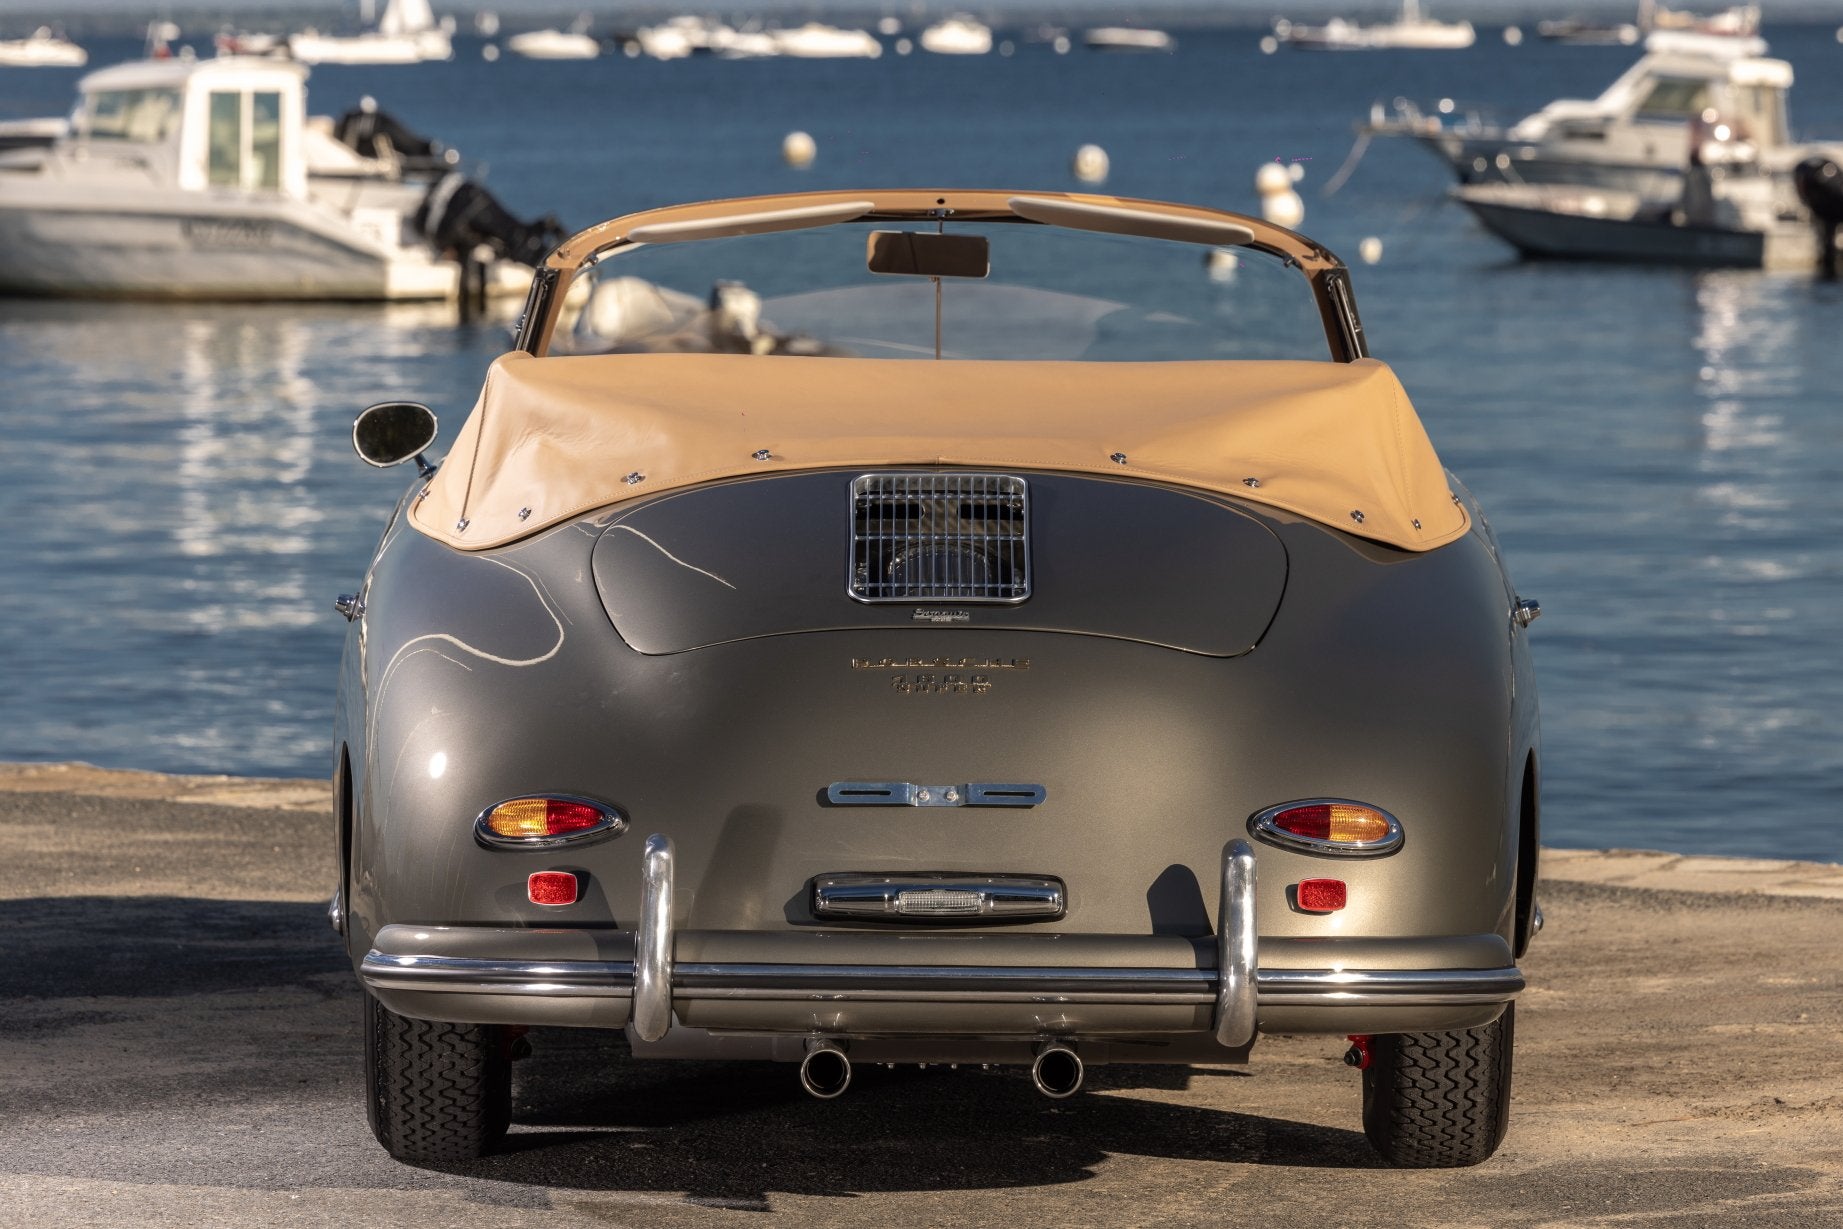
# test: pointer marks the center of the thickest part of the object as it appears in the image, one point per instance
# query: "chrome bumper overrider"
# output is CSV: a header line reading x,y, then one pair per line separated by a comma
x,y
654,981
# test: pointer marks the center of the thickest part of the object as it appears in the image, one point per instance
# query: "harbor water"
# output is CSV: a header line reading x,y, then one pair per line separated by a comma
x,y
1659,449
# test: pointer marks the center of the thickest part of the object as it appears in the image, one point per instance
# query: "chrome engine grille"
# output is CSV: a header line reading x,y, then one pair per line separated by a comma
x,y
929,537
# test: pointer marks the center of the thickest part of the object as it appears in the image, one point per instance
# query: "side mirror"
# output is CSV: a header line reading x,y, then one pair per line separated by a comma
x,y
392,432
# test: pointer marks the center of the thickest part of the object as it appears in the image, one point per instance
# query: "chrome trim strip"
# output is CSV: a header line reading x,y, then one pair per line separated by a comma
x,y
1236,991
1262,827
614,823
468,975
941,983
947,896
652,998
905,794
1371,987
1010,979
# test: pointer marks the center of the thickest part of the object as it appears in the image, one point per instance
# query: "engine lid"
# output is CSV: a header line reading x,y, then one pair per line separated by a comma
x,y
784,554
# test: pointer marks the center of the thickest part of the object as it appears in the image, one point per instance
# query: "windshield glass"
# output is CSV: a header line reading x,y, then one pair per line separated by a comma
x,y
133,115
1051,293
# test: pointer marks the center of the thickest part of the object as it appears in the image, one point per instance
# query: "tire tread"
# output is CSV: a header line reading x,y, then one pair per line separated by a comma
x,y
1440,1100
438,1092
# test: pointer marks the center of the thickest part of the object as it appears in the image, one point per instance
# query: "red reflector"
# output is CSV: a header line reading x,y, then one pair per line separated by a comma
x,y
552,888
561,817
1321,895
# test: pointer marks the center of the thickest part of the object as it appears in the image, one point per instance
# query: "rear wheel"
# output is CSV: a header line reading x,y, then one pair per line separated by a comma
x,y
437,1092
1439,1100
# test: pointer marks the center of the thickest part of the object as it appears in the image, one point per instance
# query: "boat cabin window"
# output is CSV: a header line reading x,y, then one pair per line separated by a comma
x,y
145,116
1674,99
1758,112
245,145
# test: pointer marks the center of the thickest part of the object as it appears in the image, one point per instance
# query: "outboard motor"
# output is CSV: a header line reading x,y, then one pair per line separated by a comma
x,y
378,134
458,216
1820,186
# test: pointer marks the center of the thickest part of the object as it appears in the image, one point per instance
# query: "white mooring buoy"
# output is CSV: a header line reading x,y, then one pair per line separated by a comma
x,y
1279,203
798,150
1370,250
1090,164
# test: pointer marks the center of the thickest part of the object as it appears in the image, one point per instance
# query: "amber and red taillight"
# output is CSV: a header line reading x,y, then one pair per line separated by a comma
x,y
544,821
1334,826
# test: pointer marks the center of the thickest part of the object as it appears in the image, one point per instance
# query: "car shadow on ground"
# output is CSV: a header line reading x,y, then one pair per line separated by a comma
x,y
134,946
588,1118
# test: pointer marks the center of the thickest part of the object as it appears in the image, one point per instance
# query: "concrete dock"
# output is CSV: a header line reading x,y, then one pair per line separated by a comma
x,y
179,1045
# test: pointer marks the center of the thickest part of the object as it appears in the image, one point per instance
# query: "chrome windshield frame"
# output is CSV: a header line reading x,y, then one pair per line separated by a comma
x,y
1326,276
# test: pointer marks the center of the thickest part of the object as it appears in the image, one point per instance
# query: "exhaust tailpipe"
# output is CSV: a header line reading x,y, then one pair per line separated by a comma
x,y
825,1072
1058,1070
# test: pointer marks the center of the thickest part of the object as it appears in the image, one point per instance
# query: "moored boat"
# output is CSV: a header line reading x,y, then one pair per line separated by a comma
x,y
1635,136
1127,38
43,49
817,41
961,35
554,44
407,33
205,180
1410,31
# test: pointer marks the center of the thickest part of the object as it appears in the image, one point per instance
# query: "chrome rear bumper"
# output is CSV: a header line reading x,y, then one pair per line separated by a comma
x,y
1231,1000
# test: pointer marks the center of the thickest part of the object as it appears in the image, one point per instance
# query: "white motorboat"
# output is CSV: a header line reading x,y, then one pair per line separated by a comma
x,y
817,41
44,49
1127,38
1740,21
959,35
206,180
1747,227
1409,31
1635,136
554,45
245,42
407,33
1582,32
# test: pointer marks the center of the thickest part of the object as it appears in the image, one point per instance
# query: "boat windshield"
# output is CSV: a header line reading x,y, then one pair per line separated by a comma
x,y
1051,293
144,116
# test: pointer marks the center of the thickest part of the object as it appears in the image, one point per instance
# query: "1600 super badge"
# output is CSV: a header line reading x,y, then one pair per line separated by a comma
x,y
977,679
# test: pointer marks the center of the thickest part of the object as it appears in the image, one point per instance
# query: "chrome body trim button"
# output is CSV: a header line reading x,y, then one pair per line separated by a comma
x,y
1526,611
937,896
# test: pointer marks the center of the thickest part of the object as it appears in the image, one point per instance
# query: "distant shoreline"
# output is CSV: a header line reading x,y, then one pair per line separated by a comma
x,y
1648,870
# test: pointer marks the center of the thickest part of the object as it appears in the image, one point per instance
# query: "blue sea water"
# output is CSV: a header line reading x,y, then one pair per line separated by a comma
x,y
1659,450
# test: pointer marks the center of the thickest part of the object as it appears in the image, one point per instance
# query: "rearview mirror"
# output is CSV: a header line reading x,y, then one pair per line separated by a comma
x,y
392,432
922,254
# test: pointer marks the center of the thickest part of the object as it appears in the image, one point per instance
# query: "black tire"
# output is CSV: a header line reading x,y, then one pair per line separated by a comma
x,y
1440,1100
436,1092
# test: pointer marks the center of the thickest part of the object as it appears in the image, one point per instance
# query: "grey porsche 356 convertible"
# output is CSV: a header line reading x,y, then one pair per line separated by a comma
x,y
937,627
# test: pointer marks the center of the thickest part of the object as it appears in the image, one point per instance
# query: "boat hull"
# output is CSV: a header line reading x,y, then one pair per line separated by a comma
x,y
1547,233
187,249
1498,158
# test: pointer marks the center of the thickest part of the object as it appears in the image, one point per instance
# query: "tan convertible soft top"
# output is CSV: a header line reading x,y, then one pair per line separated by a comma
x,y
551,438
